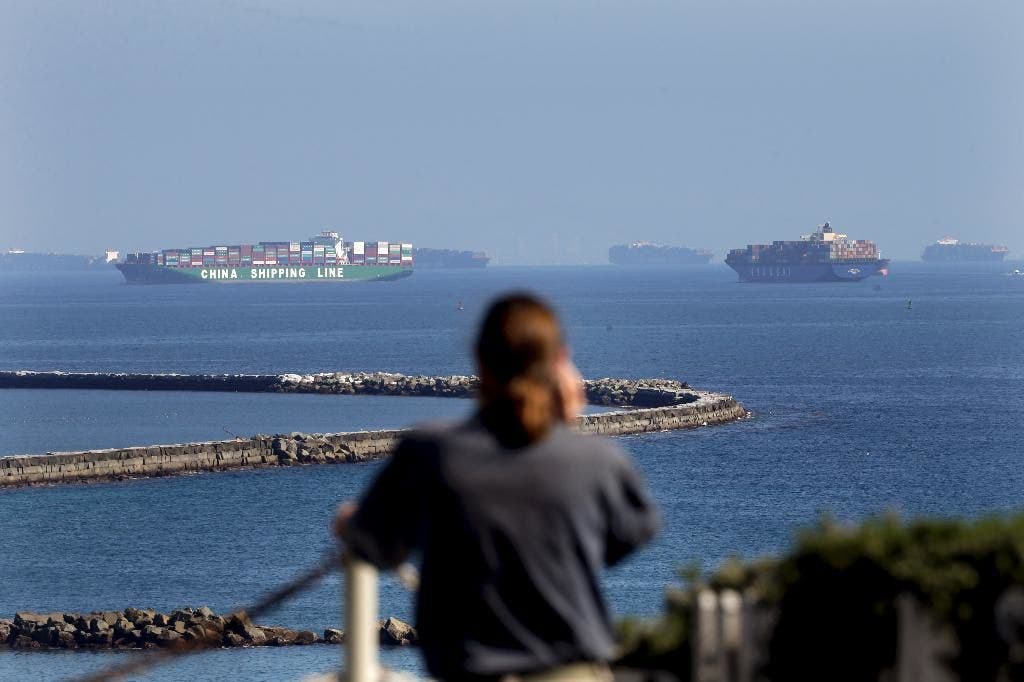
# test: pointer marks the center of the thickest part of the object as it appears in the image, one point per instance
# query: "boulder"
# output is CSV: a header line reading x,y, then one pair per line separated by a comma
x,y
46,635
168,638
217,624
394,632
23,642
240,624
306,637
279,636
102,640
334,636
185,615
197,633
140,617
152,633
27,620
237,622
233,639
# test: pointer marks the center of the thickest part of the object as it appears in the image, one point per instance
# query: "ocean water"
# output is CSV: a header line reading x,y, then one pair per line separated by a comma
x,y
905,396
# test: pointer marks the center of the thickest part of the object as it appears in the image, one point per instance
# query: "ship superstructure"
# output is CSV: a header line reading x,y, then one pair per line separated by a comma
x,y
324,257
951,249
822,256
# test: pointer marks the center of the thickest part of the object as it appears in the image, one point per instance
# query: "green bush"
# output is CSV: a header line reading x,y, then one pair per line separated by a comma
x,y
836,595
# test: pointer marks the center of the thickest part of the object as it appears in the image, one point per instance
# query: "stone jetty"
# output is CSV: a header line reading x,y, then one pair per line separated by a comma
x,y
621,392
148,629
648,405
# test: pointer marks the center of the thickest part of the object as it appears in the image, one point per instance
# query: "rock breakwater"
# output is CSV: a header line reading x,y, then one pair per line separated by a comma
x,y
649,405
148,629
620,392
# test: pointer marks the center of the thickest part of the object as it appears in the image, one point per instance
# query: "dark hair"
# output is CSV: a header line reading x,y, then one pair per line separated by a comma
x,y
516,349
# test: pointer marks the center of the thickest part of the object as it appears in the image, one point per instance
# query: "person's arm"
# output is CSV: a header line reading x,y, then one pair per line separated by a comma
x,y
632,519
384,527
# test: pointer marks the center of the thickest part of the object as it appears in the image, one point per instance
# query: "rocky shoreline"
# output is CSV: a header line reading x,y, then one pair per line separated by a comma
x,y
183,628
609,392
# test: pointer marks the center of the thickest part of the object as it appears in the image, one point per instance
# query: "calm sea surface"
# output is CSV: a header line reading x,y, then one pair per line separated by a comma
x,y
903,397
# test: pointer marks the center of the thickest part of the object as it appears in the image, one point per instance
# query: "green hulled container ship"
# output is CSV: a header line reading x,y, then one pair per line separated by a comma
x,y
323,258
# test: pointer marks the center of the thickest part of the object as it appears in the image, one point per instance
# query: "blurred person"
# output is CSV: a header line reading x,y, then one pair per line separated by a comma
x,y
513,513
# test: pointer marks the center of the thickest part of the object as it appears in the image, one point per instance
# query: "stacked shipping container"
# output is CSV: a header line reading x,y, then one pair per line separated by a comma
x,y
310,253
859,249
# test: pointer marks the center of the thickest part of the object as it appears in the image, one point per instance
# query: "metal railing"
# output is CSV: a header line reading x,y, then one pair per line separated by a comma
x,y
729,641
732,632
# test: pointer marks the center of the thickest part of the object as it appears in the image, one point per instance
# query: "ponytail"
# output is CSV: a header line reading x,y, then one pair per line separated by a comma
x,y
516,349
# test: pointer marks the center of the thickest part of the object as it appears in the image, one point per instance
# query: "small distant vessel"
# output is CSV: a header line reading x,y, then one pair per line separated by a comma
x,y
646,253
950,249
323,258
460,306
1017,272
822,256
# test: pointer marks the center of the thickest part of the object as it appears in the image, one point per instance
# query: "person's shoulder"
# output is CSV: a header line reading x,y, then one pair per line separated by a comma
x,y
439,434
594,447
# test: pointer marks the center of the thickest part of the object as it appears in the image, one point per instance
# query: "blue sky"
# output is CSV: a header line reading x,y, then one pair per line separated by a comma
x,y
541,132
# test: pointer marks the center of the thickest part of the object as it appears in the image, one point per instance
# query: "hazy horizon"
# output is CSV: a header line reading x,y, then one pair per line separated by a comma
x,y
538,132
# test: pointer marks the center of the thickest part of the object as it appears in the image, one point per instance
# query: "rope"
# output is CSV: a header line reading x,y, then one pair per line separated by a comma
x,y
329,563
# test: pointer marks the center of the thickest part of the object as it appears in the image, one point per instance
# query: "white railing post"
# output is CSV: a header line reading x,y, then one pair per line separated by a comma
x,y
730,606
362,636
922,644
707,636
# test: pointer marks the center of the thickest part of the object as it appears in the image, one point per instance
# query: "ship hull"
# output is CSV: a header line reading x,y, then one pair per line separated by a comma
x,y
817,272
139,273
963,253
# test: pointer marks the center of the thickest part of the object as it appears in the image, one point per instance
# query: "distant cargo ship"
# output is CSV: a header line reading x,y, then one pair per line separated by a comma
x,y
822,256
949,249
449,258
19,260
646,253
324,258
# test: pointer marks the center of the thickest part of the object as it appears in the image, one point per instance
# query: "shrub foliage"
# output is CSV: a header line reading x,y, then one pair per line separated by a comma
x,y
836,596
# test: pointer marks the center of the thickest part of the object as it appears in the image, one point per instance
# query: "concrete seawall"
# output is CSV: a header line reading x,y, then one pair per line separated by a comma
x,y
676,406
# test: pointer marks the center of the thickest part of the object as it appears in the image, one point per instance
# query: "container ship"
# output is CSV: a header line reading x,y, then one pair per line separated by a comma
x,y
950,249
323,258
449,258
19,260
822,256
645,253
